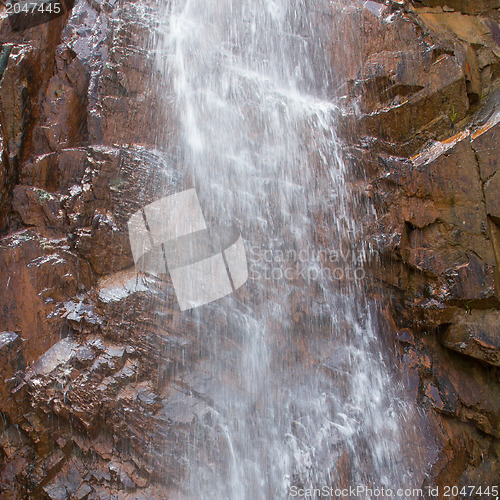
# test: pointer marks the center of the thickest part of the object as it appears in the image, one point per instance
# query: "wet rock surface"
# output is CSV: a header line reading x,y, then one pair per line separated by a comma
x,y
86,407
423,103
98,393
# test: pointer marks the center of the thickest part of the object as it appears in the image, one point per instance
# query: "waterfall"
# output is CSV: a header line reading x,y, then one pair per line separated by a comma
x,y
298,388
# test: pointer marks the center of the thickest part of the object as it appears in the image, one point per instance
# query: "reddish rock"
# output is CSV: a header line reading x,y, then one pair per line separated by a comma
x,y
15,99
112,393
485,144
63,110
11,365
465,6
7,177
44,272
65,485
37,207
470,392
105,245
55,172
492,199
124,106
476,334
434,186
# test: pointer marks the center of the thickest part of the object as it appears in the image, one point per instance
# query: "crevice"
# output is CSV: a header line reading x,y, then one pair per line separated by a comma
x,y
4,58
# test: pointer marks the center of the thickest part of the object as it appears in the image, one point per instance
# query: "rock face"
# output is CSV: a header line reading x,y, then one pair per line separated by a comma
x,y
97,393
422,102
86,410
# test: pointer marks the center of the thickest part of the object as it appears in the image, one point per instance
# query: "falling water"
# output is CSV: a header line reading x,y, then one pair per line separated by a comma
x,y
292,372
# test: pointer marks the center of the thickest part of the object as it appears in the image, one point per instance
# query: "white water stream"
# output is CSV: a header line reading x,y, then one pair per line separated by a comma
x,y
299,390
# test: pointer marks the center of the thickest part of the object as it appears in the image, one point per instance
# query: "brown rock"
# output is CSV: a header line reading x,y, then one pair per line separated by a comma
x,y
492,196
7,179
83,491
485,142
468,29
37,207
100,393
44,273
495,237
477,335
466,6
469,392
408,115
65,485
106,246
55,171
125,109
63,109
438,235
443,202
11,362
402,96
473,75
15,102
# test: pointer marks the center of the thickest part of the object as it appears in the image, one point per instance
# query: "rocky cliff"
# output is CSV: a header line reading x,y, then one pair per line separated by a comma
x,y
99,386
422,101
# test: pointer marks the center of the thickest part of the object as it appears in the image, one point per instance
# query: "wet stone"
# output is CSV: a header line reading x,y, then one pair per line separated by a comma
x,y
104,364
83,491
84,355
116,352
65,485
405,337
81,312
128,371
7,339
147,398
96,344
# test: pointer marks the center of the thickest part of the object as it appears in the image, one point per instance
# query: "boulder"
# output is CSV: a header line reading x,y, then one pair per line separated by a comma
x,y
44,272
476,334
37,207
12,364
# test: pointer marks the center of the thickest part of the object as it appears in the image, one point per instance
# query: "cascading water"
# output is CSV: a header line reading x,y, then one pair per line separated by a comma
x,y
292,372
